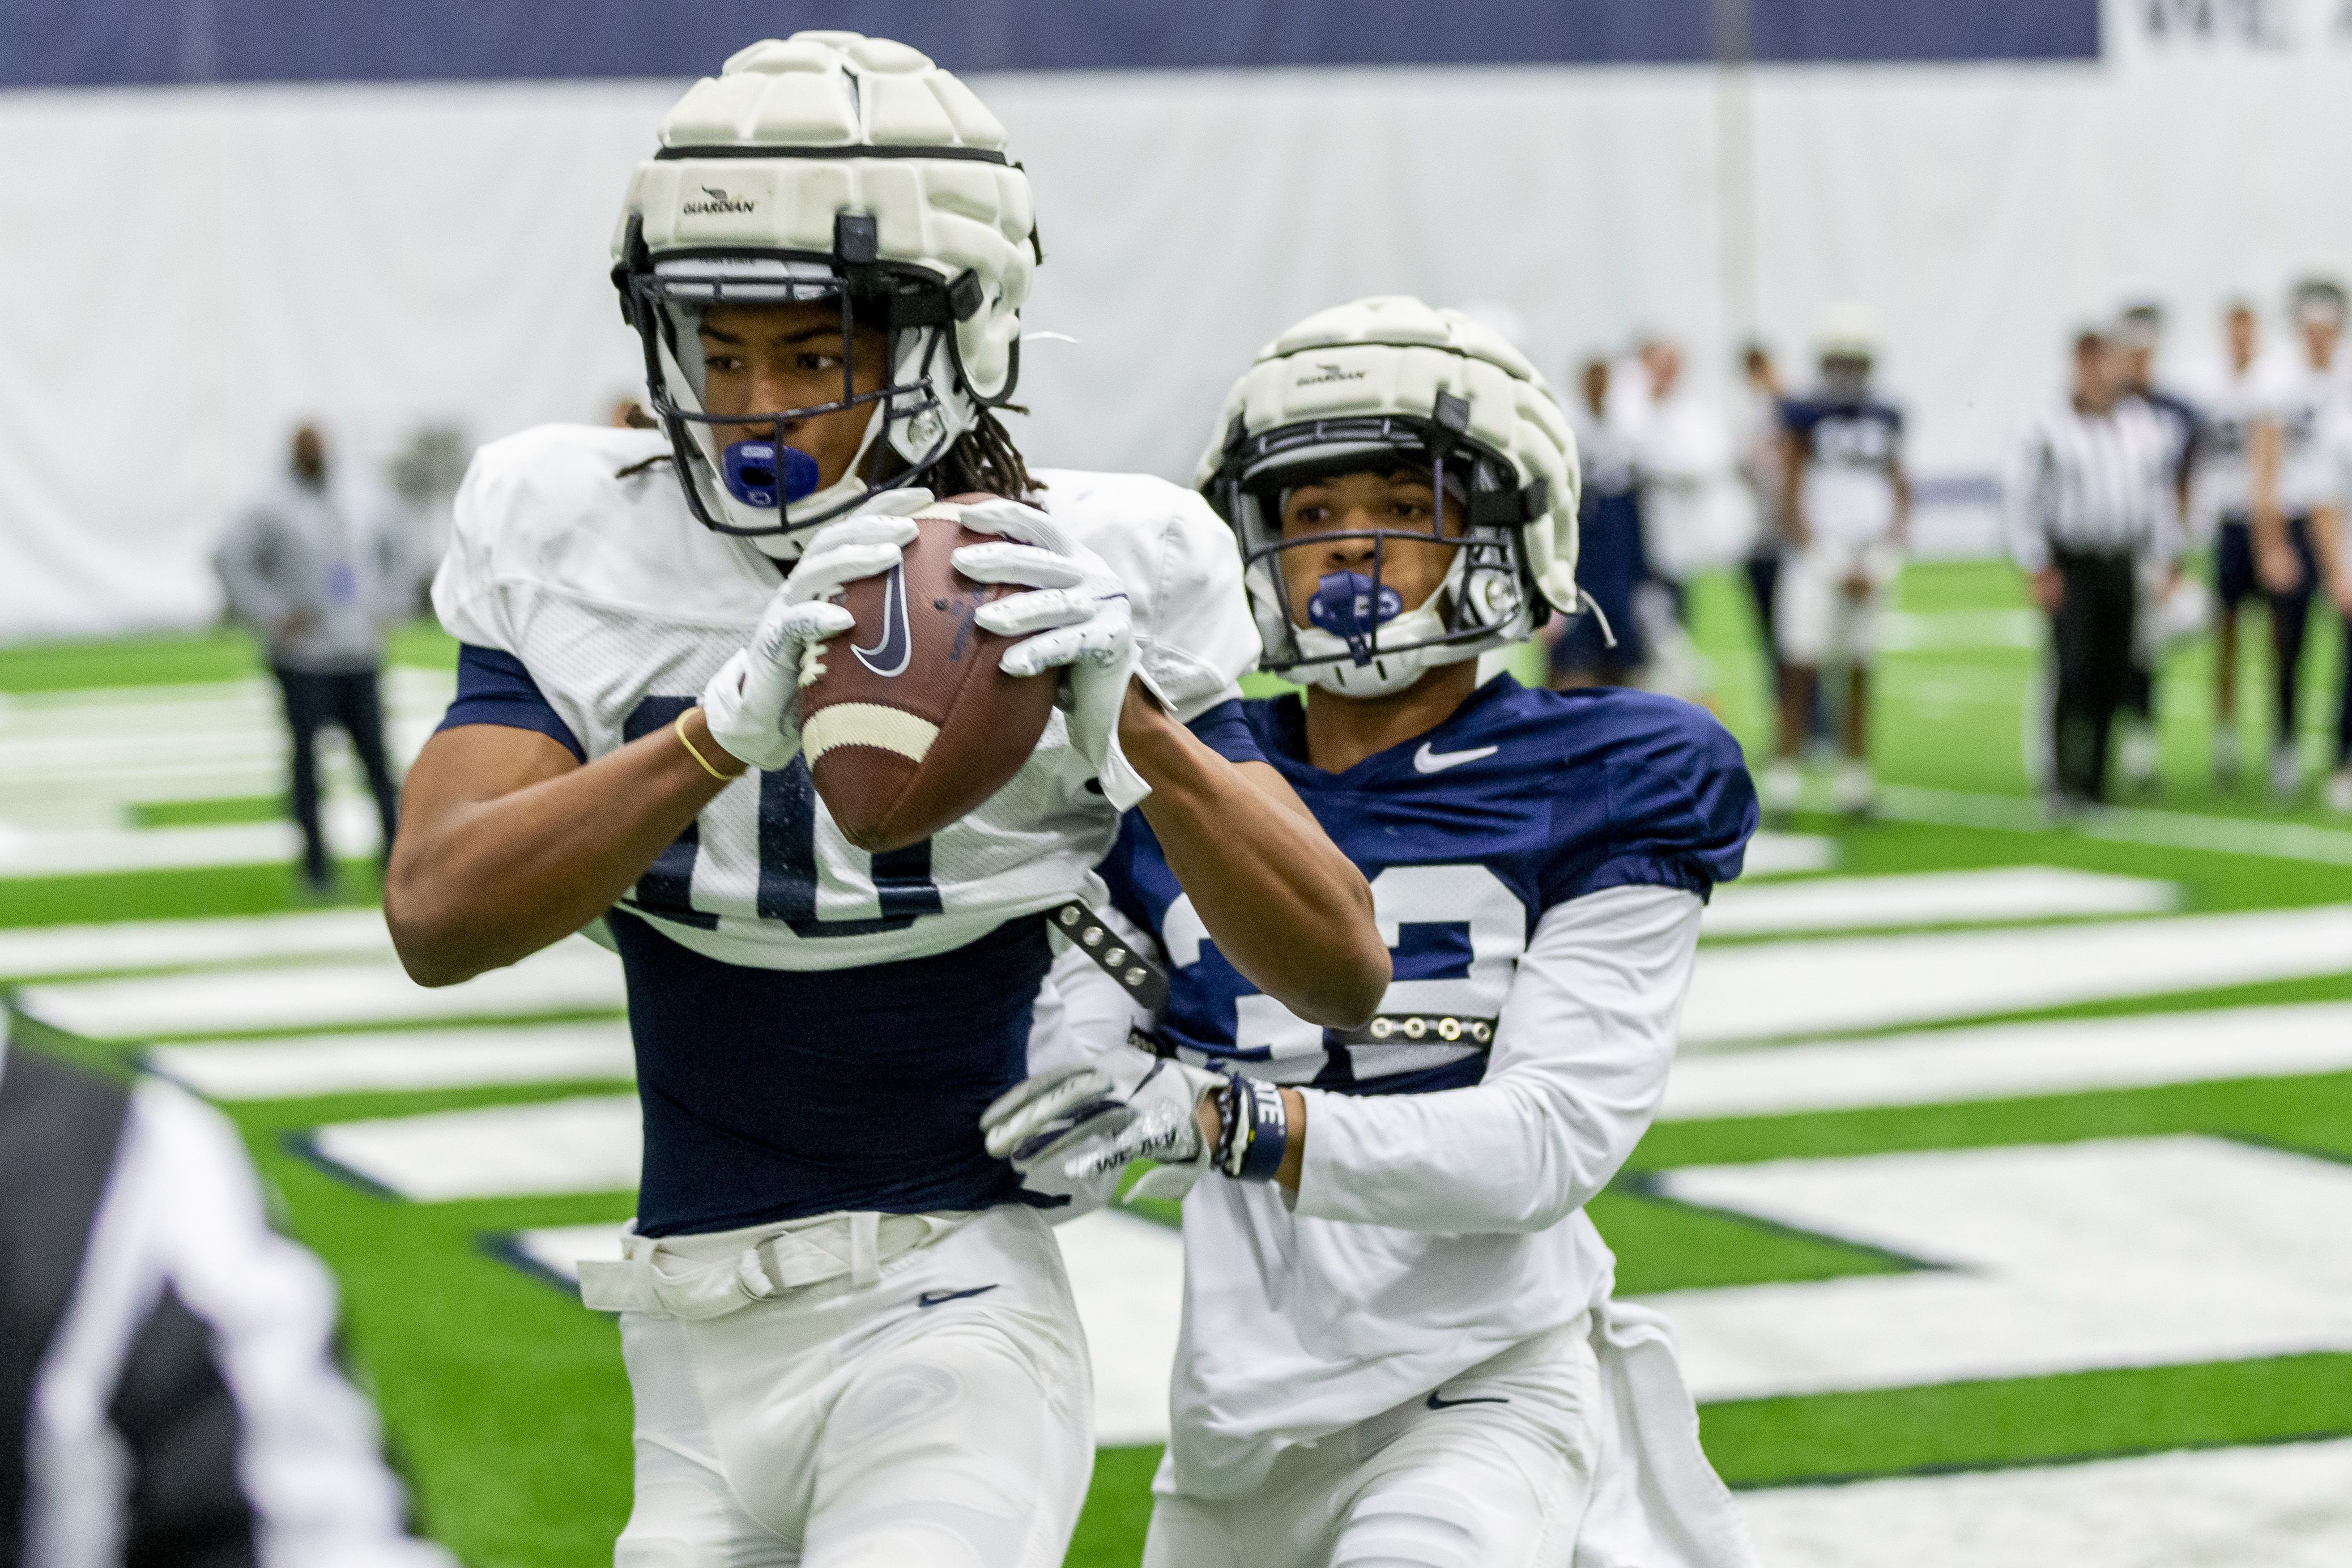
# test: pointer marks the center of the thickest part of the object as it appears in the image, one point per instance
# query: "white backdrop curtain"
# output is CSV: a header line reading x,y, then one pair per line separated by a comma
x,y
187,271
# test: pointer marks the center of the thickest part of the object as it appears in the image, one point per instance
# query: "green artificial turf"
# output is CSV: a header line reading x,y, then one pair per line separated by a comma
x,y
506,1401
208,813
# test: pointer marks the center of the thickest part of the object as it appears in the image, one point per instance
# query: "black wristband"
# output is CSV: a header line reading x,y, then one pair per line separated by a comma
x,y
1255,1131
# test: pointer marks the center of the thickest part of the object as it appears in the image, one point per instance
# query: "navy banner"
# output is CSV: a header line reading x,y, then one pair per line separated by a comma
x,y
90,43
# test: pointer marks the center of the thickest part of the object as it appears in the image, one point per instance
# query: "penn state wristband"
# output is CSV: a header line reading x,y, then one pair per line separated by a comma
x,y
1255,1131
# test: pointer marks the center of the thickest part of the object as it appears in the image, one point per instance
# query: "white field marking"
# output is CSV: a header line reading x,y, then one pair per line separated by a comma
x,y
2001,1061
126,946
2108,1253
2125,825
1761,991
1127,1273
574,976
2282,1506
78,759
1932,898
398,1060
349,823
1773,854
587,1143
1942,631
560,1249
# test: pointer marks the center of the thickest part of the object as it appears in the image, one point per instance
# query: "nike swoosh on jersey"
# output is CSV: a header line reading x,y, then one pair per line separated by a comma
x,y
1428,762
888,656
1437,1404
940,1298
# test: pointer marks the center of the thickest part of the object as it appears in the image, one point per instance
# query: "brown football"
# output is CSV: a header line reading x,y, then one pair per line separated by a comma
x,y
912,725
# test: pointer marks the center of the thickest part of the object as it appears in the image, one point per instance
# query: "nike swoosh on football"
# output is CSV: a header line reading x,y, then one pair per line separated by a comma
x,y
1437,1404
1428,762
888,656
940,1298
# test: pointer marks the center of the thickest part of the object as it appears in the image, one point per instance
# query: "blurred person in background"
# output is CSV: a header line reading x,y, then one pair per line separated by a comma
x,y
2140,331
1762,462
2329,523
1610,566
2290,482
324,573
2220,501
168,1387
628,413
1691,517
1845,505
2090,501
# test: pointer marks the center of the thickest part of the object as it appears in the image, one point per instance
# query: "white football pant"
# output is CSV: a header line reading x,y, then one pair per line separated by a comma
x,y
1815,620
930,1406
1491,1470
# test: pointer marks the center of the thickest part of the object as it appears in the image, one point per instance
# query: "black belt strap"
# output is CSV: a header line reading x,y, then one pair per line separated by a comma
x,y
1138,975
1421,1029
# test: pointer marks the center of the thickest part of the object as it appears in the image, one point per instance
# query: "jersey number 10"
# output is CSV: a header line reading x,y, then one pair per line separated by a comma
x,y
788,856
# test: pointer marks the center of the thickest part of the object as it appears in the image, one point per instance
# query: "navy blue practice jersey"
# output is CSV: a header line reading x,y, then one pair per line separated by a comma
x,y
1852,447
1520,800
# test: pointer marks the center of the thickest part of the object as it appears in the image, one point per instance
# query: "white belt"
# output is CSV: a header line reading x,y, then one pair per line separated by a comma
x,y
696,1277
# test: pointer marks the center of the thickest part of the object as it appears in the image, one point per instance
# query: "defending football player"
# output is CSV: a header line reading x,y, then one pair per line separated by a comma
x,y
1398,1345
849,1337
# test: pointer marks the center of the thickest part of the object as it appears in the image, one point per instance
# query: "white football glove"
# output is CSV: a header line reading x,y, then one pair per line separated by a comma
x,y
1076,619
1073,1125
751,705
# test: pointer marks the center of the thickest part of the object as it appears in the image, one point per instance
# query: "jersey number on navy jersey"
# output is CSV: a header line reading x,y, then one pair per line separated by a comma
x,y
1454,934
788,856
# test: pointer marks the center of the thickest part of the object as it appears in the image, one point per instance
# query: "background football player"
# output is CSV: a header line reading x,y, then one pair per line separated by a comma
x,y
2290,482
1845,503
2221,504
2139,333
1398,1344
849,1338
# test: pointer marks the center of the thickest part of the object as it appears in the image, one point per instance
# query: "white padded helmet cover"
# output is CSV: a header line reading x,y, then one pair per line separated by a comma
x,y
827,89
1392,355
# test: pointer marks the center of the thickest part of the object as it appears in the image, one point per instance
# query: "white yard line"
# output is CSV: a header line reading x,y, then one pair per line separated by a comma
x,y
572,976
128,945
2050,1258
587,1143
1992,895
2283,1506
349,822
1761,991
1772,854
398,1060
2003,1061
2125,825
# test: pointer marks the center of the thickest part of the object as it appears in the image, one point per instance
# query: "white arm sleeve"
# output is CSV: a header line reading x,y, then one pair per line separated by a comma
x,y
1082,1018
1580,1066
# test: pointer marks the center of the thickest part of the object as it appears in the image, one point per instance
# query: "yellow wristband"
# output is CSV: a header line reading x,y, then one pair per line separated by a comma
x,y
681,727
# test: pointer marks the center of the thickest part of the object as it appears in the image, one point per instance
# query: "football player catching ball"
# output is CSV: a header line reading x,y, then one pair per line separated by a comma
x,y
846,1327
1398,1344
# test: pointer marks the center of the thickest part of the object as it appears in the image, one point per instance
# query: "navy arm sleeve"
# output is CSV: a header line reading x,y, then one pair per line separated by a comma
x,y
493,688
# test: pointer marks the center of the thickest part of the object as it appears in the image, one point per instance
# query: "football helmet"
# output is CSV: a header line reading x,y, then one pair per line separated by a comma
x,y
1386,383
846,170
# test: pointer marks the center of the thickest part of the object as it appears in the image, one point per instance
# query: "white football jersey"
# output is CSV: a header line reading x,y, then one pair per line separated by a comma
x,y
574,552
2302,399
2222,483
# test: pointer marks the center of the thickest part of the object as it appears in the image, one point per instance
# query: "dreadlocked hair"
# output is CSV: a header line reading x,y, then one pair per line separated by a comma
x,y
983,458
